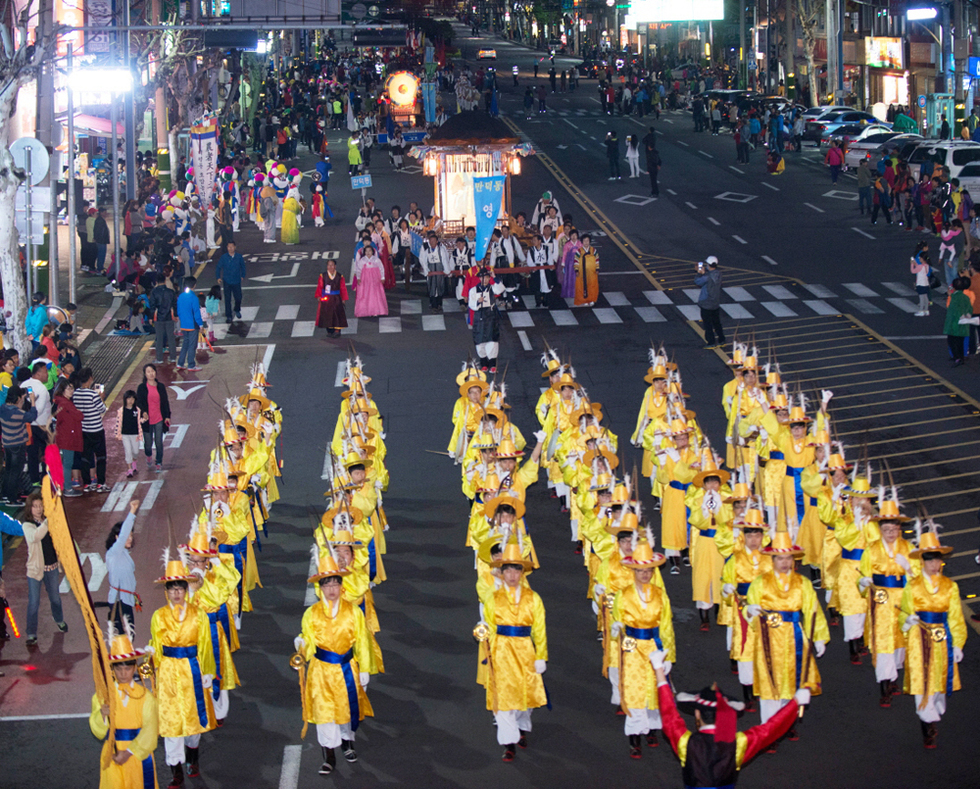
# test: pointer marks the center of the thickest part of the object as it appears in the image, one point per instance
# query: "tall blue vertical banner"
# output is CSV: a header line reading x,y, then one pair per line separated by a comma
x,y
488,193
429,101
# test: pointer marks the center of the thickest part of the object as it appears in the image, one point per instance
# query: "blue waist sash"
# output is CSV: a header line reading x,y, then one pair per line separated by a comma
x,y
743,589
239,550
796,617
942,618
709,533
889,581
813,501
331,292
216,617
128,735
190,654
514,631
645,634
343,661
796,472
854,554
679,485
776,455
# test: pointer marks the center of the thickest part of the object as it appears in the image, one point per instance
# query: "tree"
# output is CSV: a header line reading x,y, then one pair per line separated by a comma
x,y
20,63
808,13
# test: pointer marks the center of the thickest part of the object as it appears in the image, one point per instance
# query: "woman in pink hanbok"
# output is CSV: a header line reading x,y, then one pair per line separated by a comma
x,y
367,277
566,277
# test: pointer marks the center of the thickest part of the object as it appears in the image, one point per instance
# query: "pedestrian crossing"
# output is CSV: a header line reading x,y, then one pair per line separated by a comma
x,y
742,303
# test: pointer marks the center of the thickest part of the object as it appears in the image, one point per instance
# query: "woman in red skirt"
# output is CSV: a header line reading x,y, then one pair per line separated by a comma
x,y
331,293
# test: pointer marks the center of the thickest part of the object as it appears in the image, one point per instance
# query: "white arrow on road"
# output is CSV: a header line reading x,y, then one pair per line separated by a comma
x,y
99,573
561,147
267,278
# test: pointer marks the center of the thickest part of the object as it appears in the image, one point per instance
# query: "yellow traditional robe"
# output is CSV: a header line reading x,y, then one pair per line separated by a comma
x,y
178,690
706,560
741,569
212,598
466,419
640,612
652,417
783,642
853,540
882,630
342,637
515,684
675,478
136,731
929,664
831,513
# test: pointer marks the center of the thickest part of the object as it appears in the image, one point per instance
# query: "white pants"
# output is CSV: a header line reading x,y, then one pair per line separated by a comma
x,y
641,721
769,708
854,626
745,673
934,709
614,681
131,444
510,724
672,552
174,747
728,638
574,524
887,664
487,350
329,735
221,705
318,221
634,163
703,606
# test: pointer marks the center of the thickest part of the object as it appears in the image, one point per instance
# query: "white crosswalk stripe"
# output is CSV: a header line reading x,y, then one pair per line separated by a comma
x,y
779,292
691,312
859,290
737,312
411,307
616,299
607,315
389,325
821,292
650,315
778,309
905,305
820,307
564,317
520,320
899,288
433,323
287,312
693,294
259,329
864,306
656,297
739,294
303,329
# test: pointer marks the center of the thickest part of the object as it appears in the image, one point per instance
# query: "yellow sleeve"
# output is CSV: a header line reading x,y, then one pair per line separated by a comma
x,y
847,533
667,630
827,509
811,481
155,639
767,420
725,537
362,640
307,633
483,589
602,574
957,626
617,609
489,611
665,471
527,475
907,605
811,608
683,472
541,409
754,595
98,724
205,655
728,572
146,741
538,633
519,441
643,412
865,569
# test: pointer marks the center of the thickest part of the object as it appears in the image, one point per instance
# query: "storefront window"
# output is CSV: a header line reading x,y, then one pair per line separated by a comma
x,y
894,90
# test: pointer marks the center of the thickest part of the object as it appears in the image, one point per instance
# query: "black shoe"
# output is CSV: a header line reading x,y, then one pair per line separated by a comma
x,y
652,739
509,751
347,746
522,743
177,776
578,547
636,752
193,756
329,761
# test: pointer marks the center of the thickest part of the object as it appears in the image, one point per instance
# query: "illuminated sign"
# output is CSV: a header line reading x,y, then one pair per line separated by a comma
x,y
883,52
676,10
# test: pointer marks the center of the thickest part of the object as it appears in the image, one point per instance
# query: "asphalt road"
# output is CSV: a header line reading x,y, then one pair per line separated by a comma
x,y
431,726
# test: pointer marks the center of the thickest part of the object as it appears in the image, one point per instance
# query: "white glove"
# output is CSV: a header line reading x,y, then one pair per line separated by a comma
x,y
819,647
802,697
215,561
540,666
728,590
864,583
365,679
752,611
540,436
838,489
910,621
149,650
957,654
616,629
673,454
974,321
902,561
658,658
299,644
825,395
255,479
598,591
206,680
667,666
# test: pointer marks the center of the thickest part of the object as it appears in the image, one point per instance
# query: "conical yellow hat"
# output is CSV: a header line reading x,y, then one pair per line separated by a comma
x,y
327,568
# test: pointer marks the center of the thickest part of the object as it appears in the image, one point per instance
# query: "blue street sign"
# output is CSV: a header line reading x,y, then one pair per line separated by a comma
x,y
922,102
974,67
360,182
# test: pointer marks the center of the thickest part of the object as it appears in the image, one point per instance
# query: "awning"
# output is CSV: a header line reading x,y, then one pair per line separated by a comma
x,y
92,124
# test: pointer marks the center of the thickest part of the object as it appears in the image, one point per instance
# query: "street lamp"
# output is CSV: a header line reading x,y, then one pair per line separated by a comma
x,y
920,14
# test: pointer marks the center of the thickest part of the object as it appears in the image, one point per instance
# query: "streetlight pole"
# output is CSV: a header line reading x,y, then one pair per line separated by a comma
x,y
72,217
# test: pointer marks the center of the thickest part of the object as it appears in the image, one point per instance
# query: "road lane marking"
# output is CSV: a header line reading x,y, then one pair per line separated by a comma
x,y
766,183
672,192
62,717
339,380
691,206
705,153
866,235
291,756
681,142
571,124
769,260
733,167
714,221
815,208
740,240
525,342
859,289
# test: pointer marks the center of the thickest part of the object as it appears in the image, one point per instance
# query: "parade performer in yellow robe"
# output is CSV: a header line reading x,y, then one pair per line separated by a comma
x,y
746,563
586,273
336,645
790,627
653,414
291,209
180,635
642,624
130,764
932,620
467,414
675,472
708,513
885,569
516,650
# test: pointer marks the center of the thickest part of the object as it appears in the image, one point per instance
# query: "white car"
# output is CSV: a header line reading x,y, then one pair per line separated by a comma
x,y
969,178
868,144
954,154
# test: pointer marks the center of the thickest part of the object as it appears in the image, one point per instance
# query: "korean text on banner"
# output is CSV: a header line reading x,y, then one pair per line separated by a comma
x,y
488,193
204,152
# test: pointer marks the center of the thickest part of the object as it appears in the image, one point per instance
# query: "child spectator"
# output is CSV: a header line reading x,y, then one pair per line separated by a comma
x,y
129,430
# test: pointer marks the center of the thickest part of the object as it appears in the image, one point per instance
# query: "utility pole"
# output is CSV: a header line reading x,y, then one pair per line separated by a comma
x,y
129,112
789,64
160,117
46,132
743,77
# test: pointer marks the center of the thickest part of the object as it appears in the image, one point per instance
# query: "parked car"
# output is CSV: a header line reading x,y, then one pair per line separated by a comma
x,y
970,179
871,146
486,54
816,130
815,112
845,134
954,154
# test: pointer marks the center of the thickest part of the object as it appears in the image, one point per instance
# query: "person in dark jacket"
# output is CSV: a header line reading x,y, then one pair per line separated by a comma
x,y
154,407
163,308
230,273
100,236
189,322
14,424
612,153
709,300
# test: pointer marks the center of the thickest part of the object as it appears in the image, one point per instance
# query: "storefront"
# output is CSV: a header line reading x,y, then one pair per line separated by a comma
x,y
888,80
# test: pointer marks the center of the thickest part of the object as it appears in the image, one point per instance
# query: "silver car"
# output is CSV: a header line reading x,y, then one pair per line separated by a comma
x,y
872,144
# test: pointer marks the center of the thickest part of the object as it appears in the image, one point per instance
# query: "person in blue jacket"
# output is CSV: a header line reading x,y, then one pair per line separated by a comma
x,y
37,318
189,323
